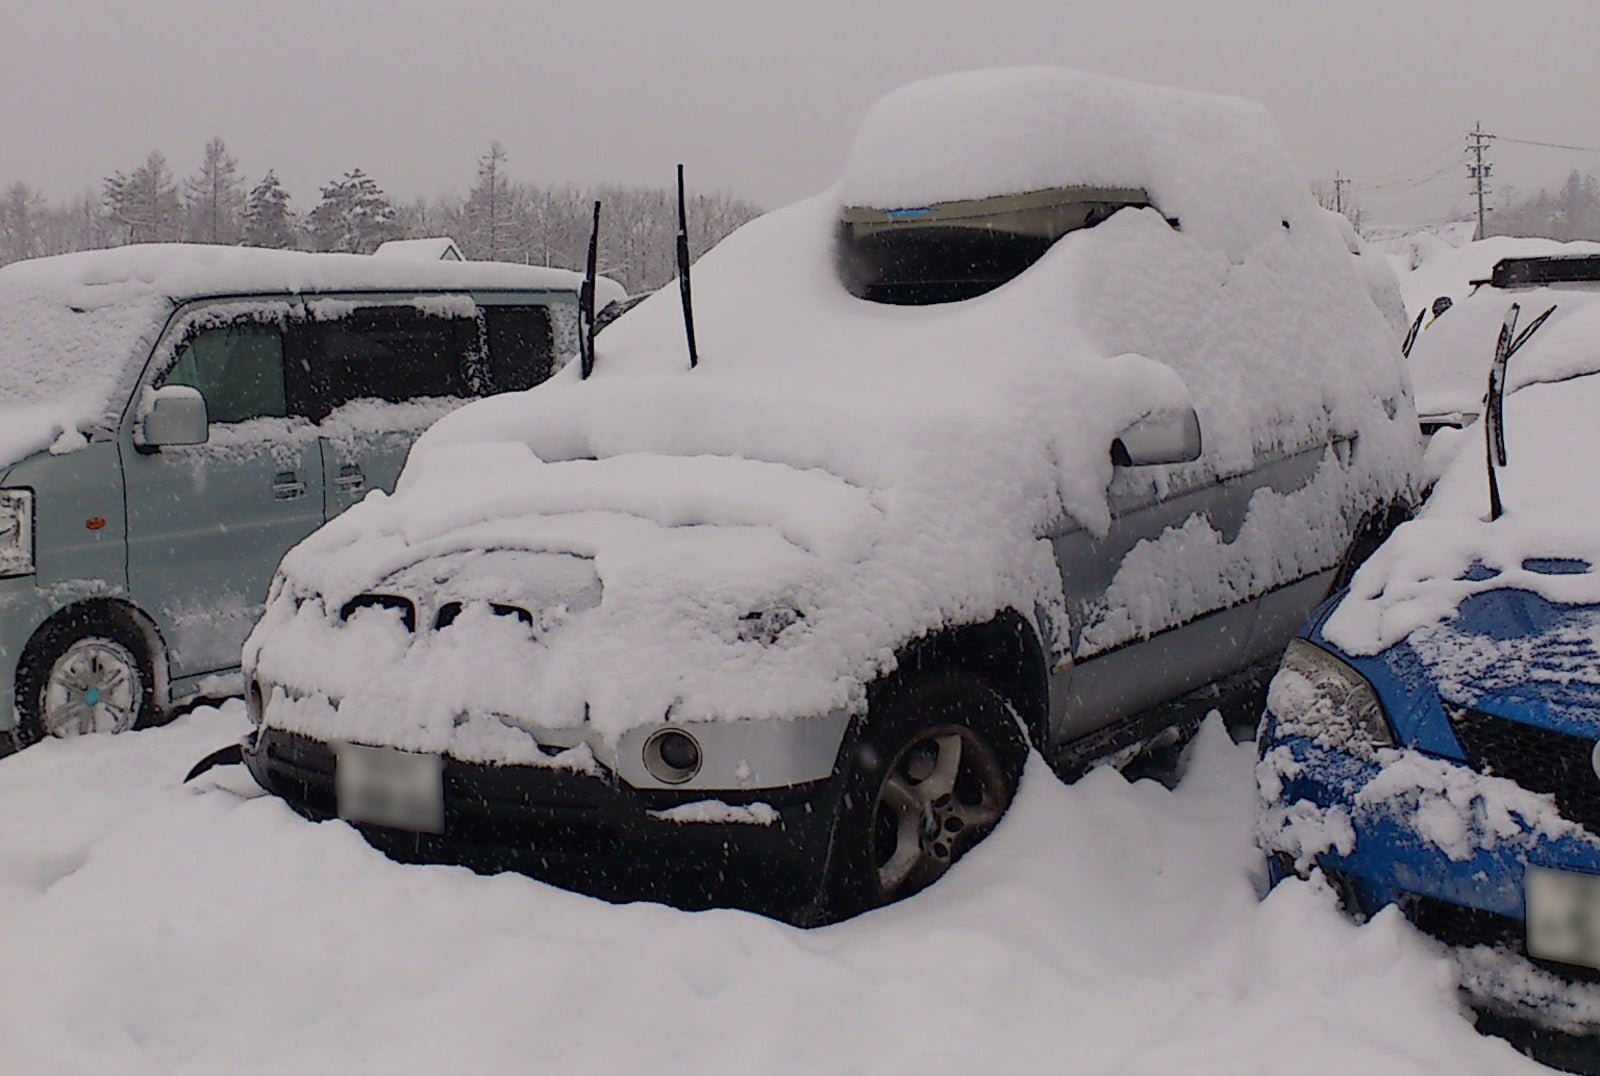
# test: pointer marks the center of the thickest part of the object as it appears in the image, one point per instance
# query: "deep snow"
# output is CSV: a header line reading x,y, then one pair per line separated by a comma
x,y
154,927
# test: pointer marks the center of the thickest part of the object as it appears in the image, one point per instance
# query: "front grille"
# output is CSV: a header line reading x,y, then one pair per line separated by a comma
x,y
403,606
1455,924
1539,760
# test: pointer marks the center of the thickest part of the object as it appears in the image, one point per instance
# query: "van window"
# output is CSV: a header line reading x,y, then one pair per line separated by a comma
x,y
380,353
238,369
520,346
950,251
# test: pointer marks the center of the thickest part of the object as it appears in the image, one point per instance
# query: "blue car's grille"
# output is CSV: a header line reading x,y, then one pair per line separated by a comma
x,y
1537,759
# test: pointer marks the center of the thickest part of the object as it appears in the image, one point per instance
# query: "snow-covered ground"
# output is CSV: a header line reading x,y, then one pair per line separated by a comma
x,y
153,927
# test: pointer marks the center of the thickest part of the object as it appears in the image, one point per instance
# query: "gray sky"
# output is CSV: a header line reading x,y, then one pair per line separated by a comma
x,y
758,98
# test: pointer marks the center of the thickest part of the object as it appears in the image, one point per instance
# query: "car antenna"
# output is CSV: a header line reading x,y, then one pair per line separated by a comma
x,y
1494,417
586,302
683,272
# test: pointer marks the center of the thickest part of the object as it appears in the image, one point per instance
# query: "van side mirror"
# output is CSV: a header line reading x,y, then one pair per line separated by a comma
x,y
177,416
1164,437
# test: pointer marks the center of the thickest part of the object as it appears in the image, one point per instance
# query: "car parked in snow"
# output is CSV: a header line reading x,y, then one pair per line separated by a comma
x,y
174,418
1432,741
1454,332
1067,403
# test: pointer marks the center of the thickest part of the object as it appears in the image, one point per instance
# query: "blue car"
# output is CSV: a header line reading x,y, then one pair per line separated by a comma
x,y
1432,738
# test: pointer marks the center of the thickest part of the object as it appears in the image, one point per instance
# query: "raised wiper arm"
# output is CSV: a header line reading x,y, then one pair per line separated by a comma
x,y
1494,423
683,272
586,302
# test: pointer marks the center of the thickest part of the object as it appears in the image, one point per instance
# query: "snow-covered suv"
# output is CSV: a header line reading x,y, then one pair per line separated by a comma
x,y
1065,403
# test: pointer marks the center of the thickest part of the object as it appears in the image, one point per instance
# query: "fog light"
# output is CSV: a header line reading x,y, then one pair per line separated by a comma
x,y
672,756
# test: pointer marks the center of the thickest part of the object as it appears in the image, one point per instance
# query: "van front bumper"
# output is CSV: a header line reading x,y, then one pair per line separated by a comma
x,y
22,609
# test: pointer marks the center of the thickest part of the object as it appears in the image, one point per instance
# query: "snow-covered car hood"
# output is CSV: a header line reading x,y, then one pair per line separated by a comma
x,y
1420,580
1450,360
867,473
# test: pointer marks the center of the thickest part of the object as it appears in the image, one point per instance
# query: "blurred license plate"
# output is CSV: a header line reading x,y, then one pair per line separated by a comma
x,y
390,788
1563,910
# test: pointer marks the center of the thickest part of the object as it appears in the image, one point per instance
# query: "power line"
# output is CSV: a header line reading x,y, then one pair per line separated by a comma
x,y
1546,145
1452,150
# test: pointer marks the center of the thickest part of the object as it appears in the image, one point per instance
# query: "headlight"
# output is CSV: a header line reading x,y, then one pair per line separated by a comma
x,y
16,532
1318,696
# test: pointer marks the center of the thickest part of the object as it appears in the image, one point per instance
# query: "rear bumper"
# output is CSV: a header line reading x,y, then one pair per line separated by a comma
x,y
591,834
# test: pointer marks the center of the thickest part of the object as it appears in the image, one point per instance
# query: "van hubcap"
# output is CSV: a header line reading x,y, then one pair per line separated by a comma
x,y
95,686
941,795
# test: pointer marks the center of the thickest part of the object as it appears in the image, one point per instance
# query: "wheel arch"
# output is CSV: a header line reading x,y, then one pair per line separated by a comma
x,y
102,607
1004,652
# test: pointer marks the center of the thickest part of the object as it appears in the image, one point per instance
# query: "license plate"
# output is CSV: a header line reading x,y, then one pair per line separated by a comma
x,y
389,788
1563,916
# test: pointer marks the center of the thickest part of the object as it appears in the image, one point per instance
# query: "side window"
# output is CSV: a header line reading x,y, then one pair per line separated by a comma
x,y
379,353
237,368
520,346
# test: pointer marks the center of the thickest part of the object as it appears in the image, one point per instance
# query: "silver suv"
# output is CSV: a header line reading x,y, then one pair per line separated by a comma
x,y
173,418
1065,406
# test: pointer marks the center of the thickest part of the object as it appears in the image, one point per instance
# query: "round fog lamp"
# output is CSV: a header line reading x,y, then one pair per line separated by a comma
x,y
672,756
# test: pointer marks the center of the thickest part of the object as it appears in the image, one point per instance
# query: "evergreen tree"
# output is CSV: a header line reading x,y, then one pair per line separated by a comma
x,y
268,220
215,197
144,206
354,216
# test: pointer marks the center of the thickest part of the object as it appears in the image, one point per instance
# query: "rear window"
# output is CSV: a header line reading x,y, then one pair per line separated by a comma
x,y
951,251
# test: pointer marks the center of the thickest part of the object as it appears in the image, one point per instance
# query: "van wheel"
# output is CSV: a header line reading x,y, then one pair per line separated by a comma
x,y
89,671
934,770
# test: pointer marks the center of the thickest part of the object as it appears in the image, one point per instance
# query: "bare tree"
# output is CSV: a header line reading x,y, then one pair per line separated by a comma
x,y
22,223
214,197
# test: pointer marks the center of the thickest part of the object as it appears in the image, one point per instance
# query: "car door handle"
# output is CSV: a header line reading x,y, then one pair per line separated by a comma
x,y
349,478
286,486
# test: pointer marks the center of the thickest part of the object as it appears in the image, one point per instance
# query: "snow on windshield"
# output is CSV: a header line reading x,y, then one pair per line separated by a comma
x,y
956,438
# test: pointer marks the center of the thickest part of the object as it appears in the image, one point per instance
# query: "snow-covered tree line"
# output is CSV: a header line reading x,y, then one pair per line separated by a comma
x,y
499,218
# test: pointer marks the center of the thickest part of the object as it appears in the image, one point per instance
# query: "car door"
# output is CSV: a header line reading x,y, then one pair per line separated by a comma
x,y
208,523
1168,601
373,377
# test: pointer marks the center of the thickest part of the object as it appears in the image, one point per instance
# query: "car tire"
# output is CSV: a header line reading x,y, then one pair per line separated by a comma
x,y
89,670
934,768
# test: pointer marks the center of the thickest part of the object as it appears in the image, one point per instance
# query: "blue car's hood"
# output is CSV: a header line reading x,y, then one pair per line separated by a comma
x,y
1508,652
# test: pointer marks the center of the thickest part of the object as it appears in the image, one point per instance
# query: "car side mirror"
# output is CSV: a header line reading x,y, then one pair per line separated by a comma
x,y
1164,437
176,416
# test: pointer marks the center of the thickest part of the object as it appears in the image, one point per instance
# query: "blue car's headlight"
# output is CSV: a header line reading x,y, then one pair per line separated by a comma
x,y
1317,696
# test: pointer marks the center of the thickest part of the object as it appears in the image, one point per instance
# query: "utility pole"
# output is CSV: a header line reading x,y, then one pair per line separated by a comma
x,y
1340,182
1479,170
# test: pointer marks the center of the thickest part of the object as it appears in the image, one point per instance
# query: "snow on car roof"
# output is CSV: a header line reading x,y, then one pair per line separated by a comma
x,y
1214,163
71,324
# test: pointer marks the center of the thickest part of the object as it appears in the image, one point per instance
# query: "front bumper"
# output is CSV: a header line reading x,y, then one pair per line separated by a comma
x,y
23,607
1463,886
592,834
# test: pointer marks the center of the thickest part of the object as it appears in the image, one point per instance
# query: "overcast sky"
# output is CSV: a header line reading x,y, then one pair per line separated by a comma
x,y
758,98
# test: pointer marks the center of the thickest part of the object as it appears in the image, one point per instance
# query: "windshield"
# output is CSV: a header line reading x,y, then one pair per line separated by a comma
x,y
950,251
